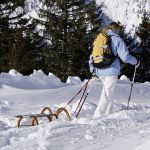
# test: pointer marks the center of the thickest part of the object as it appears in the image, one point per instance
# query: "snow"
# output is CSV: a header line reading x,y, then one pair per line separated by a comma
x,y
73,80
127,12
123,129
36,80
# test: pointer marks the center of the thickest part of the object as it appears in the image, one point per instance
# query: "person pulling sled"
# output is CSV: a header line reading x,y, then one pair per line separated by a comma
x,y
108,47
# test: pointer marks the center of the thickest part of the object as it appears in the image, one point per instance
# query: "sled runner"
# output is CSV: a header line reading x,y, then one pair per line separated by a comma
x,y
34,117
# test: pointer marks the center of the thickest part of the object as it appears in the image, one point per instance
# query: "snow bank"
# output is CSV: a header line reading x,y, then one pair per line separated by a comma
x,y
124,80
37,80
123,77
73,80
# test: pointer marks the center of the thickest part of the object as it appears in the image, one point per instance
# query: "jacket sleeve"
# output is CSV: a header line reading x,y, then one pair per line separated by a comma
x,y
123,52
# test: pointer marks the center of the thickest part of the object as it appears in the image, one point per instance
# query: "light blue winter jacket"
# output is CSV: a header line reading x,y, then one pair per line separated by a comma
x,y
119,49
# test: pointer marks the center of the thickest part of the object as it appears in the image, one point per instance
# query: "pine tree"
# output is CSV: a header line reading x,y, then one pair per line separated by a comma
x,y
69,27
10,14
5,11
25,53
21,45
144,34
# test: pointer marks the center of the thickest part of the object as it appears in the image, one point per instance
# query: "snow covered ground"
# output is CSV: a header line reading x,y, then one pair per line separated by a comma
x,y
122,130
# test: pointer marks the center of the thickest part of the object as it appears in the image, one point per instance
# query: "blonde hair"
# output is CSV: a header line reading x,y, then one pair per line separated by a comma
x,y
114,26
105,30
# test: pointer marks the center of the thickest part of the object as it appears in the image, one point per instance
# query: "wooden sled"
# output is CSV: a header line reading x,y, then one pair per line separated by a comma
x,y
34,117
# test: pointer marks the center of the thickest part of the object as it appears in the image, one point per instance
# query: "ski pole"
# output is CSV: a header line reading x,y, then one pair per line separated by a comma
x,y
84,87
77,94
85,97
136,66
81,97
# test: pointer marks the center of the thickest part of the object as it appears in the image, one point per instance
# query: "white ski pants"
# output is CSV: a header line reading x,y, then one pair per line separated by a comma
x,y
105,105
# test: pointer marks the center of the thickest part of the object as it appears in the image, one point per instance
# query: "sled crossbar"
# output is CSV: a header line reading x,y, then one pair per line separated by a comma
x,y
35,115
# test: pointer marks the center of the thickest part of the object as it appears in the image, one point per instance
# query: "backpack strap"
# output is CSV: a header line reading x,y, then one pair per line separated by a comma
x,y
104,34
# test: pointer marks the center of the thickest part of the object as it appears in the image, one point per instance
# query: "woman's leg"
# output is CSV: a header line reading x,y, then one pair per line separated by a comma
x,y
105,105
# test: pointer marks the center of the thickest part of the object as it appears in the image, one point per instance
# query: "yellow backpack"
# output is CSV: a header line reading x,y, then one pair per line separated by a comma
x,y
102,53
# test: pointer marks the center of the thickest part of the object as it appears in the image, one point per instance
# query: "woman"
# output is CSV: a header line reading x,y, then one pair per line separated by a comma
x,y
108,75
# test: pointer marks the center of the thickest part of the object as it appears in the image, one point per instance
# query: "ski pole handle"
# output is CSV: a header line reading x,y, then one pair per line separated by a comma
x,y
138,64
